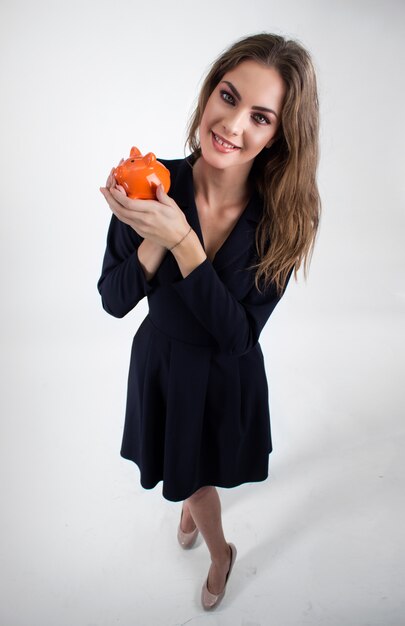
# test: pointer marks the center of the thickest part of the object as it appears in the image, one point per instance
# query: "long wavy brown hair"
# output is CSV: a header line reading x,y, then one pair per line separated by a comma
x,y
285,173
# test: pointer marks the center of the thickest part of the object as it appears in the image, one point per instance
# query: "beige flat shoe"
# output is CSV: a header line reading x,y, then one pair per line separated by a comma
x,y
210,600
186,540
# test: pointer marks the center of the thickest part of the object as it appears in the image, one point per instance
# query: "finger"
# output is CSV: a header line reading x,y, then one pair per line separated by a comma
x,y
132,205
119,202
113,181
117,208
122,198
121,189
110,177
162,196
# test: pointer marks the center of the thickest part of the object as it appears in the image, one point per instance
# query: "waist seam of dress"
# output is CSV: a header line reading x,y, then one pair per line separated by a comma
x,y
173,338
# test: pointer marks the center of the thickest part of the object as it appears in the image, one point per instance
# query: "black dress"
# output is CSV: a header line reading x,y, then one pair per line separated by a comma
x,y
197,408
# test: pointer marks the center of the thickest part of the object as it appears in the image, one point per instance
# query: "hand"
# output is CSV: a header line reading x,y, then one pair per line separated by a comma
x,y
160,220
112,182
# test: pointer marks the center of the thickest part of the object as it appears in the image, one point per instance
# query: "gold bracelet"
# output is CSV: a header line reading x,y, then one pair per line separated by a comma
x,y
180,240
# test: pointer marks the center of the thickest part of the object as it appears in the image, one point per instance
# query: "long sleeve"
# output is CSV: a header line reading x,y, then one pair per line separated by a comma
x,y
236,326
122,283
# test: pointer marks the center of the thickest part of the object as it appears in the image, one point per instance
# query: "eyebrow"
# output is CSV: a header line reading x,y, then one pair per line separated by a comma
x,y
239,97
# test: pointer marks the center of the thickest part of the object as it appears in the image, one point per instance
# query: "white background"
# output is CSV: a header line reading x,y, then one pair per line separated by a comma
x,y
320,541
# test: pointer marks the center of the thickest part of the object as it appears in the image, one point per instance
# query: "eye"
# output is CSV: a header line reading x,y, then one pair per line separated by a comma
x,y
263,117
225,95
262,120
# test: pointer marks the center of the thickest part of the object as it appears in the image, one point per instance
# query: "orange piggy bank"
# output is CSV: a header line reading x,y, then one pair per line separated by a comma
x,y
140,175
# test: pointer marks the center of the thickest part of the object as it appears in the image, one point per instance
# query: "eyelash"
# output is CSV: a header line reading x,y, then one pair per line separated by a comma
x,y
226,93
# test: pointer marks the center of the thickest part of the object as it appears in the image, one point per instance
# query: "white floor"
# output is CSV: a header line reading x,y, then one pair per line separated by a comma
x,y
319,543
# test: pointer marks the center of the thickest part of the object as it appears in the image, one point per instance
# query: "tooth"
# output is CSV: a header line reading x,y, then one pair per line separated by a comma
x,y
223,143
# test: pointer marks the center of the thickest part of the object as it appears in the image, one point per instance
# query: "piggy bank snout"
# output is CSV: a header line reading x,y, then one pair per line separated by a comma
x,y
119,172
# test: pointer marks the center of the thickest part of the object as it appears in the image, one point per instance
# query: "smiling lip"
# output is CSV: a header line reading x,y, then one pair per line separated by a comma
x,y
223,148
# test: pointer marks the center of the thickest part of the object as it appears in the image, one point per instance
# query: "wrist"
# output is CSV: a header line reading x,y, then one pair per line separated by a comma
x,y
189,247
189,254
152,245
180,241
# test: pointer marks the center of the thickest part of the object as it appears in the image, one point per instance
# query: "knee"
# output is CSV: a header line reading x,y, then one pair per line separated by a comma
x,y
200,493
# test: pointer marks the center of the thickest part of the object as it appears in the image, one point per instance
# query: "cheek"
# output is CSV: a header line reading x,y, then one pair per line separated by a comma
x,y
256,139
207,115
204,120
213,111
208,121
263,138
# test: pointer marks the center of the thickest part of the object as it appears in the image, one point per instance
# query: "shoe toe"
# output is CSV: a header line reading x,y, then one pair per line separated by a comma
x,y
210,600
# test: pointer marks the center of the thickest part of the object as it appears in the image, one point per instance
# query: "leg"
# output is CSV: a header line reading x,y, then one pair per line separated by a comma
x,y
205,508
187,524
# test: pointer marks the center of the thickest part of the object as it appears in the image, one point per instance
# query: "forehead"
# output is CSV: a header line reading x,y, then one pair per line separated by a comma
x,y
254,81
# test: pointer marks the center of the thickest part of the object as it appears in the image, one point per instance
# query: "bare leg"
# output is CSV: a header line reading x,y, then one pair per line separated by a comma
x,y
187,523
205,508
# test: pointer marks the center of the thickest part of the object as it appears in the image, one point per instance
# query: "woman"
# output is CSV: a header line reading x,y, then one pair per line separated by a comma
x,y
246,199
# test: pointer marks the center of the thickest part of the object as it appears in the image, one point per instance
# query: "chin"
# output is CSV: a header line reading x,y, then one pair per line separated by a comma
x,y
212,161
213,158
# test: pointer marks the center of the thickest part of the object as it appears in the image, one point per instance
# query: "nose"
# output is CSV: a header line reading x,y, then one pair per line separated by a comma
x,y
233,123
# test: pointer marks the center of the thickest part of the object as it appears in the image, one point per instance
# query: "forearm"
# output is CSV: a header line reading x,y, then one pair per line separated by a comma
x,y
124,281
150,256
235,323
189,253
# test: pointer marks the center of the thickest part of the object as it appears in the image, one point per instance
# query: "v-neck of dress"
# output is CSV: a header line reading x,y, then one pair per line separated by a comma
x,y
228,236
197,219
242,236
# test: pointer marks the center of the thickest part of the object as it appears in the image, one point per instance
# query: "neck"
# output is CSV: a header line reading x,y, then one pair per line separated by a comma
x,y
221,189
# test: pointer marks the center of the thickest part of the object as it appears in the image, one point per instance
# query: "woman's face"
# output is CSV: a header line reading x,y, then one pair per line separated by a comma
x,y
244,110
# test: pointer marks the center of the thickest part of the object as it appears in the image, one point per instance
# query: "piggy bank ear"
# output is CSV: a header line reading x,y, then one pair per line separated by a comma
x,y
149,158
134,152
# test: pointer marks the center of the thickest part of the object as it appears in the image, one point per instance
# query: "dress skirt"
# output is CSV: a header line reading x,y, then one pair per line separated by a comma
x,y
193,417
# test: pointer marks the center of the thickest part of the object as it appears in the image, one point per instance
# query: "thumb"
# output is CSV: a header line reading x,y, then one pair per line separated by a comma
x,y
160,192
